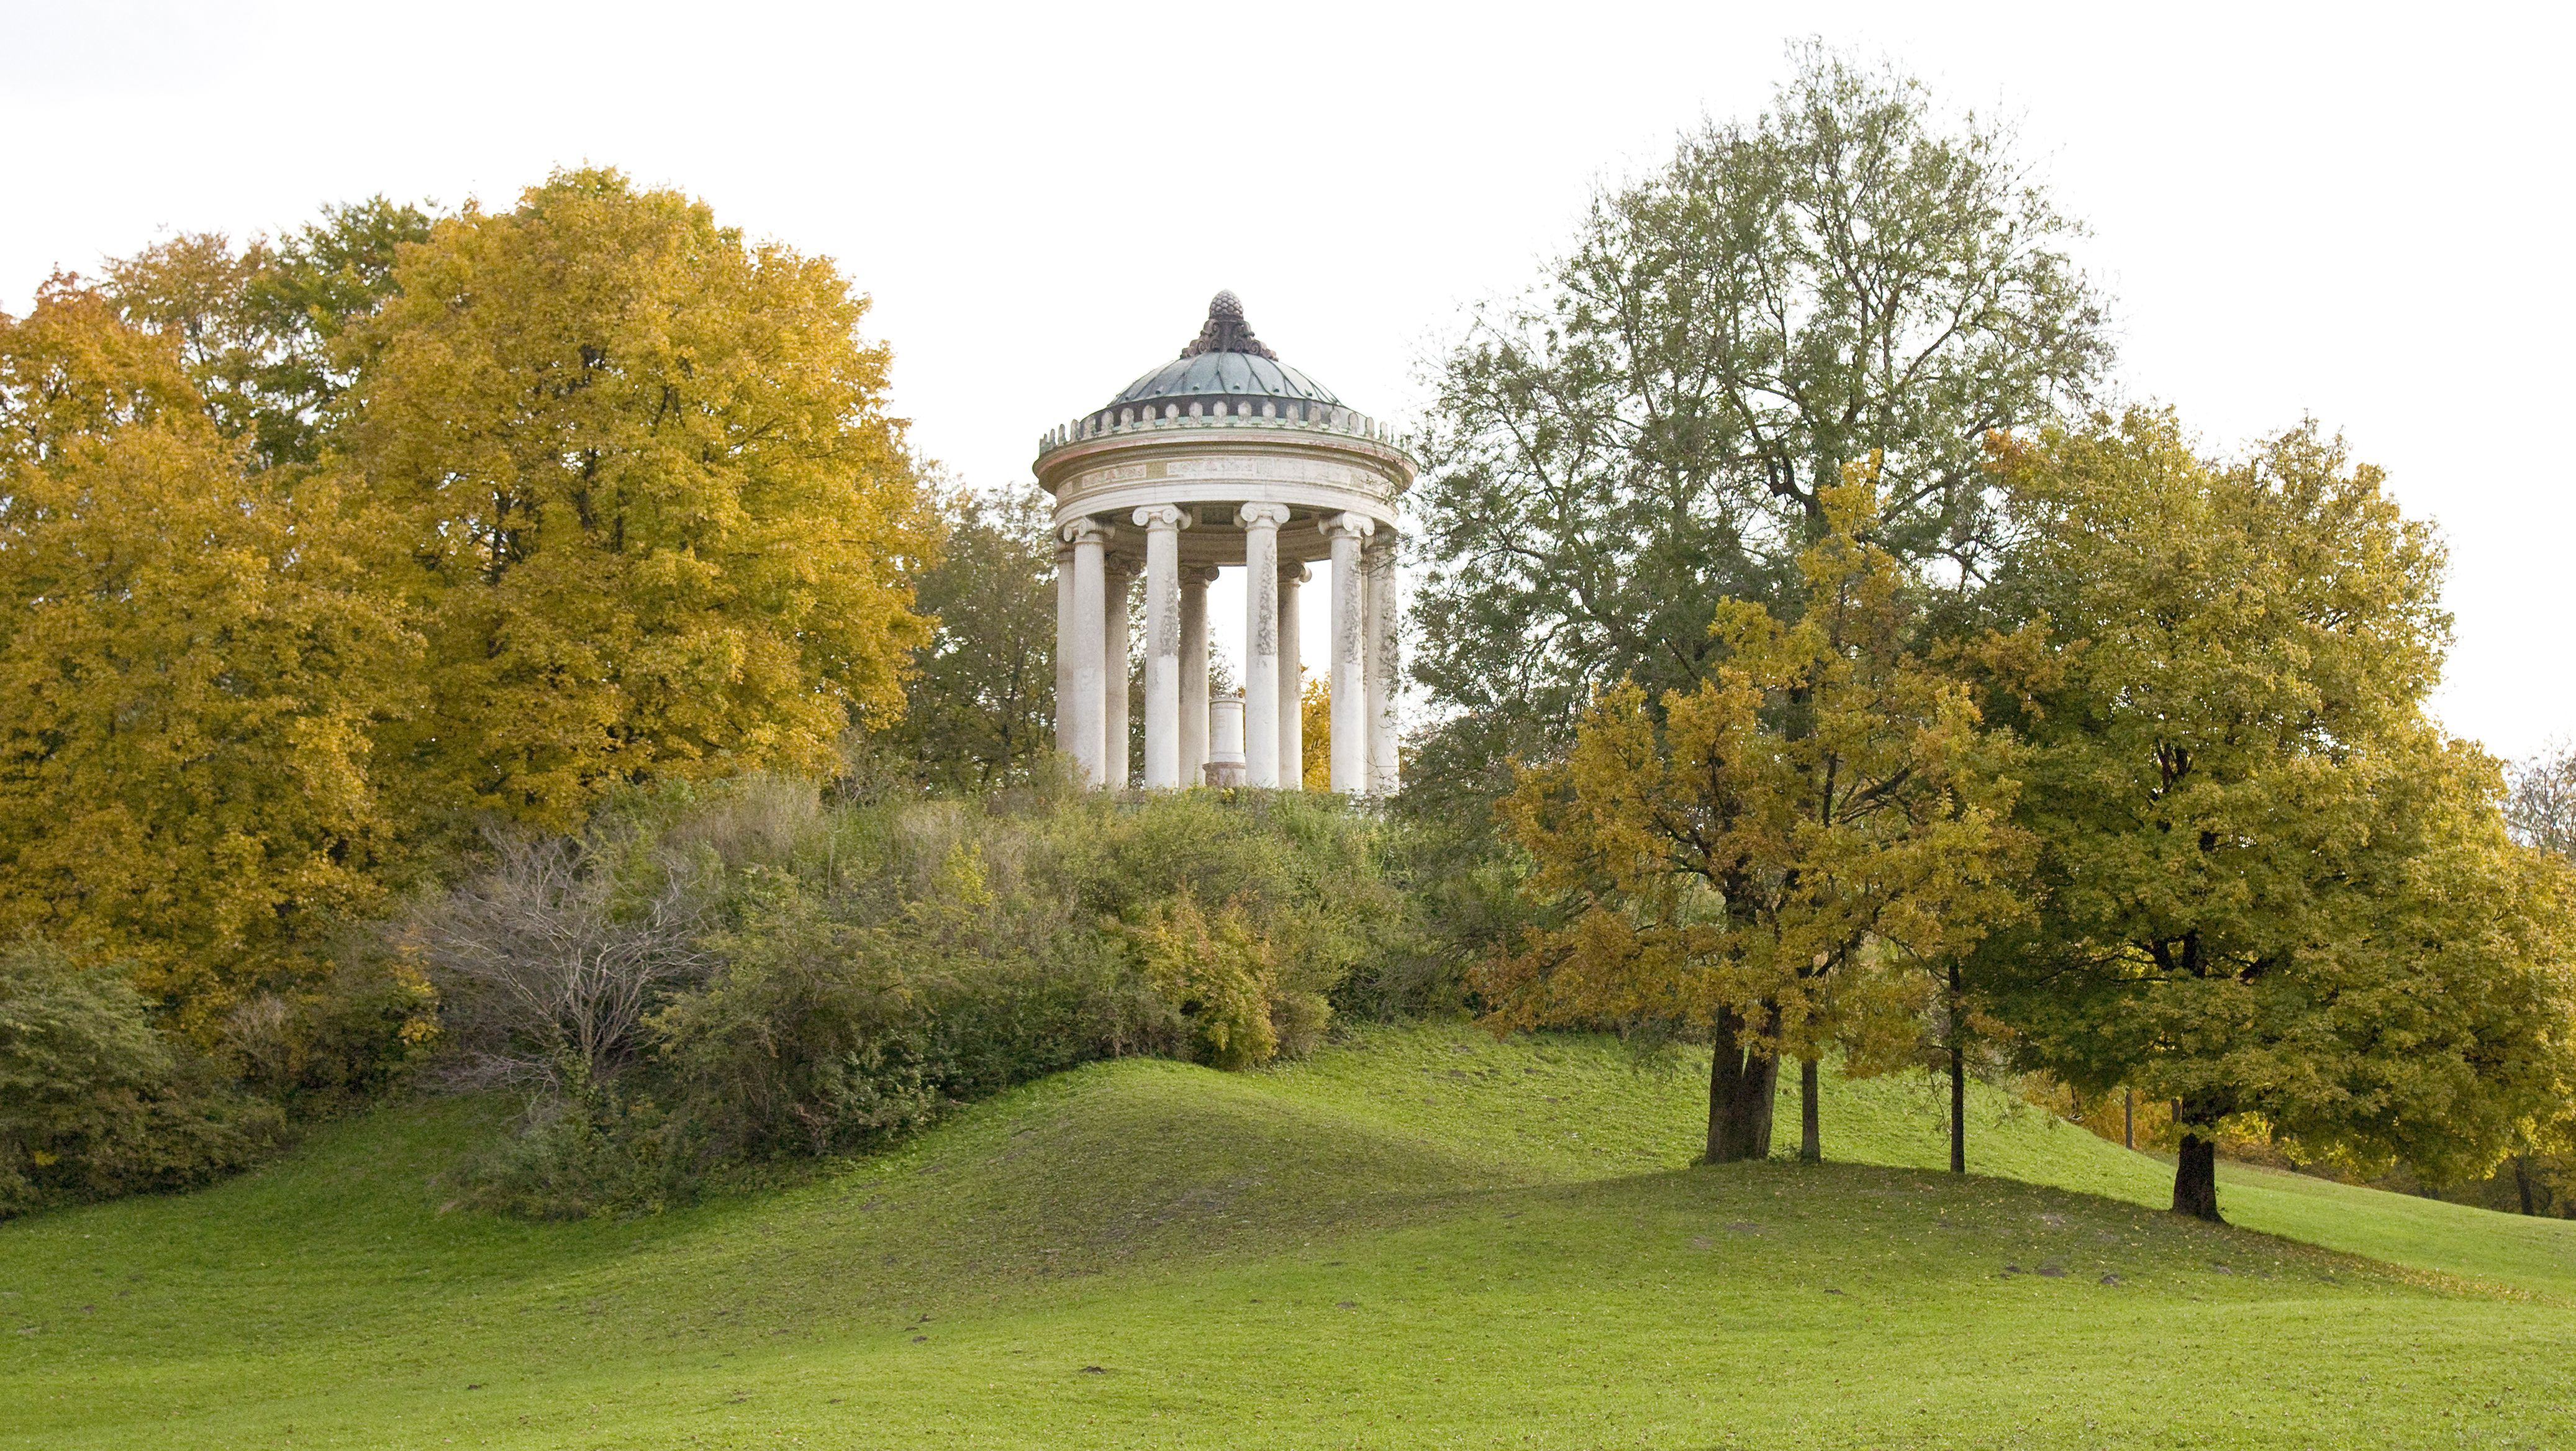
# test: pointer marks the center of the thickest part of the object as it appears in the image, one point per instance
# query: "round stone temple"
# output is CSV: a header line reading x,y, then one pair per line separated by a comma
x,y
1224,458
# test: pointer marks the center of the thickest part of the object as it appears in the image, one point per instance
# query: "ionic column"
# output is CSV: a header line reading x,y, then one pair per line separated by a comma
x,y
1292,682
1194,674
1082,735
1350,653
1064,648
1261,642
1118,571
1162,525
1383,665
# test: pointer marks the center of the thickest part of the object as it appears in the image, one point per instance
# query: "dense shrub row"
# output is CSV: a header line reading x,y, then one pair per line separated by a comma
x,y
716,976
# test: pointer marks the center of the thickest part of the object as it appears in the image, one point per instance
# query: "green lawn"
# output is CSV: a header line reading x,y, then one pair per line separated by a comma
x,y
1422,1238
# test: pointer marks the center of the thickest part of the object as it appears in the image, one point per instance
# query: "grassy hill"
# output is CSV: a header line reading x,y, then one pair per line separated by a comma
x,y
1421,1238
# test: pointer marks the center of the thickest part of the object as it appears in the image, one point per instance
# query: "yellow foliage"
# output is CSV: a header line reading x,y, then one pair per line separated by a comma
x,y
1220,973
1778,845
191,662
639,485
1315,741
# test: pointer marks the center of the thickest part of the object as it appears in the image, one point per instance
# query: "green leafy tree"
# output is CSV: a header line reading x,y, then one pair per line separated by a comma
x,y
1846,277
262,329
93,1101
2540,810
980,707
2541,804
2272,888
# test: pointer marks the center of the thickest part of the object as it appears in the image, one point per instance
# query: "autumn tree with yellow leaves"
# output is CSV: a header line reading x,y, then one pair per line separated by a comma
x,y
318,553
642,496
193,661
1763,859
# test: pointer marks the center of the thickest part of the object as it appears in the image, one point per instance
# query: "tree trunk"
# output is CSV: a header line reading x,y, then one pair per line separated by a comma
x,y
2128,1118
1811,1140
2196,1178
1958,1102
2522,1180
1741,1082
1958,1012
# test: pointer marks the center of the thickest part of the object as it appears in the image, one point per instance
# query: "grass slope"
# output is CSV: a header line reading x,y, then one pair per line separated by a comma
x,y
1421,1238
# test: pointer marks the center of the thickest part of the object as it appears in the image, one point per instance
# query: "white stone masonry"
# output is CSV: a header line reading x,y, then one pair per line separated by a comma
x,y
1350,652
1261,642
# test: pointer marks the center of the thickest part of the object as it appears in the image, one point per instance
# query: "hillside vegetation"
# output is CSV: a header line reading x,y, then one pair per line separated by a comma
x,y
1419,1237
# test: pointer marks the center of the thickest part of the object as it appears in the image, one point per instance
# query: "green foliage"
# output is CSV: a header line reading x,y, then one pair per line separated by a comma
x,y
1219,973
2271,886
2540,806
979,710
261,328
1849,276
1313,886
338,1038
94,1101
579,1152
724,974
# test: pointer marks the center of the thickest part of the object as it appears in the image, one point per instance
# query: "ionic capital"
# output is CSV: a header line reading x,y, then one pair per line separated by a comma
x,y
1199,575
1085,530
1349,526
1295,572
1116,565
1261,516
1161,516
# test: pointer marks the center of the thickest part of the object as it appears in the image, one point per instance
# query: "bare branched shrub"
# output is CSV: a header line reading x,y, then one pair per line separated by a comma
x,y
2541,811
540,961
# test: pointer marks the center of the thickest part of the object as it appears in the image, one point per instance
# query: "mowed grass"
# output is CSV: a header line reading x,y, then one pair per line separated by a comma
x,y
1421,1238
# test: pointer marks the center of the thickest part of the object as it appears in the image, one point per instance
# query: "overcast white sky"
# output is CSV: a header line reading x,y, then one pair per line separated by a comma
x,y
2357,214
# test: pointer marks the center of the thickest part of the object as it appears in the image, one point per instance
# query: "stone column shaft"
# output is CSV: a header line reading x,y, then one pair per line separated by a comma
x,y
1117,764
1261,642
1384,677
1350,653
1292,682
1090,590
1194,674
1064,648
1162,525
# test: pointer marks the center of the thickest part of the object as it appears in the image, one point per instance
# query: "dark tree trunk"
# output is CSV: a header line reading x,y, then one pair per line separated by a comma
x,y
1811,1139
2196,1179
1958,1103
2128,1118
1958,1008
2522,1180
1741,1082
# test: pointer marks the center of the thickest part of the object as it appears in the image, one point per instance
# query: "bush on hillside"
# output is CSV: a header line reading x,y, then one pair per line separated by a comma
x,y
336,1039
719,975
95,1101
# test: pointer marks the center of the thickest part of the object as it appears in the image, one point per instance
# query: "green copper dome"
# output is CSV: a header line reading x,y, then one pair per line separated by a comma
x,y
1225,378
1225,361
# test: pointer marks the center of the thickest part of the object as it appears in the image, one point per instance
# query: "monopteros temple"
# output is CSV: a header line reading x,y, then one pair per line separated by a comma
x,y
1225,458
